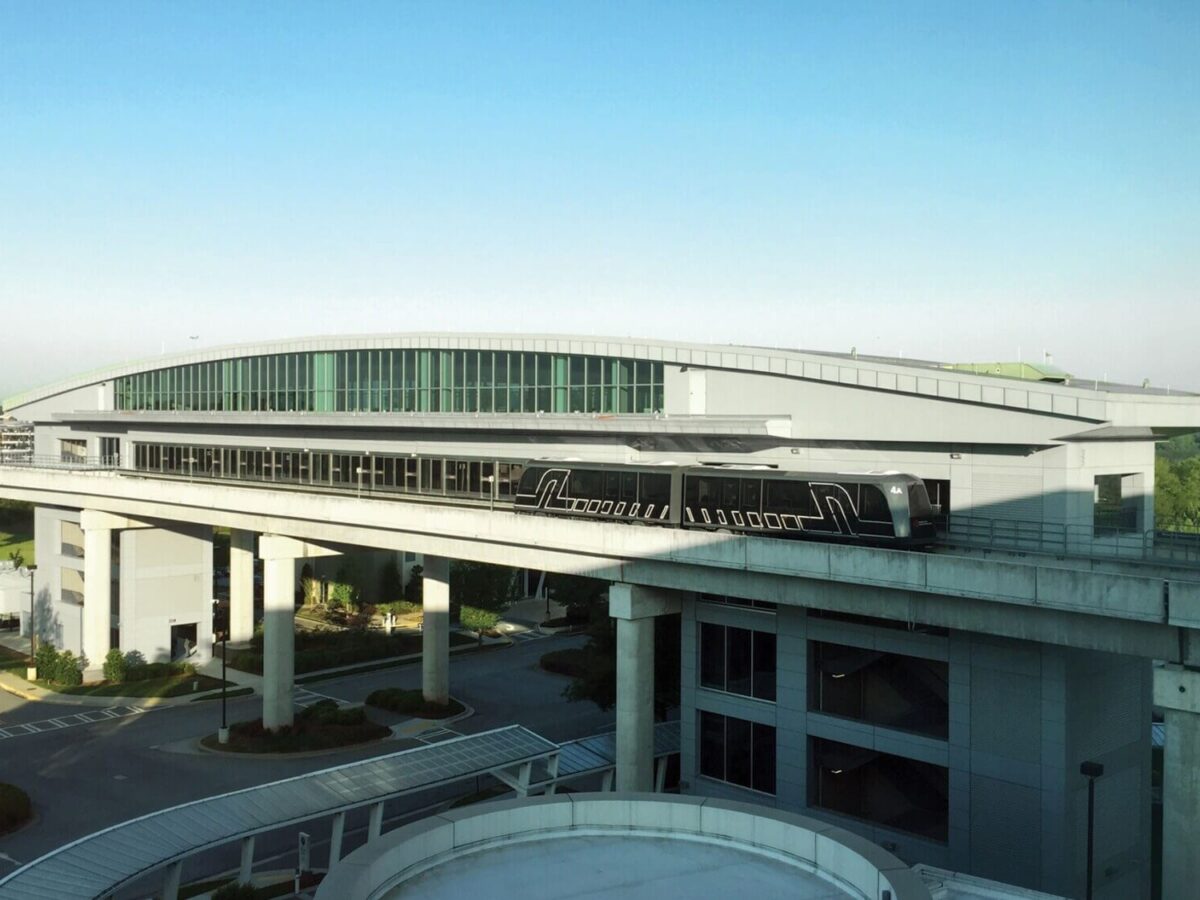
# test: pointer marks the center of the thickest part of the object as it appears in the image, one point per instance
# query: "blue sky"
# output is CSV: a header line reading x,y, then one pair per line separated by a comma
x,y
956,181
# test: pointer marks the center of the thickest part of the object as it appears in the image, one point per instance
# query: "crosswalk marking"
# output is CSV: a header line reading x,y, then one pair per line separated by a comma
x,y
304,697
527,635
435,735
91,717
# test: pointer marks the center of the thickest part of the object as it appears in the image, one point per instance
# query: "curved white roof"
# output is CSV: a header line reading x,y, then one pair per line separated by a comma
x,y
1078,400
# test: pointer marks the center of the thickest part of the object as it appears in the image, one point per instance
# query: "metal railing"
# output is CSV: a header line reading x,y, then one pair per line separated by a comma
x,y
1098,541
65,461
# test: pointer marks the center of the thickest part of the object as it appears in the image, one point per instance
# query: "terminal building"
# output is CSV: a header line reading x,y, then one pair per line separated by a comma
x,y
938,700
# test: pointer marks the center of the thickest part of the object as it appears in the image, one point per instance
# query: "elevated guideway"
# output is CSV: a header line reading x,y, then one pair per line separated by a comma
x,y
1151,614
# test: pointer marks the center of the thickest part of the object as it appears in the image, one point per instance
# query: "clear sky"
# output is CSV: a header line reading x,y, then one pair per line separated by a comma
x,y
961,181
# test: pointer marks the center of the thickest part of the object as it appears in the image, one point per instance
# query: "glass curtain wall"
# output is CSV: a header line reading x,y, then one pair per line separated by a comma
x,y
402,381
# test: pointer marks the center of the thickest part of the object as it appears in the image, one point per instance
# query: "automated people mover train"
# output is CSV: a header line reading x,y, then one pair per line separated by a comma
x,y
888,508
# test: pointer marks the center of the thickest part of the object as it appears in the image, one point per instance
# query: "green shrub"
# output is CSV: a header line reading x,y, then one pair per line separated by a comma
x,y
15,808
319,727
70,669
46,660
114,666
133,659
478,620
412,703
399,608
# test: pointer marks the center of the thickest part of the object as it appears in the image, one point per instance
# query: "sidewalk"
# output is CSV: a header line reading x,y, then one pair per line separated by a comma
x,y
15,684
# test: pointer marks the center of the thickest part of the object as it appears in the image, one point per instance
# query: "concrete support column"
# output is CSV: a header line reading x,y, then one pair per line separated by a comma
x,y
1177,691
635,704
279,622
635,608
241,585
97,597
435,630
279,634
336,833
246,866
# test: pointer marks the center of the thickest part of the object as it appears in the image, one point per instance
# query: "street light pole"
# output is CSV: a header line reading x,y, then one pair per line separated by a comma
x,y
223,734
29,570
1091,771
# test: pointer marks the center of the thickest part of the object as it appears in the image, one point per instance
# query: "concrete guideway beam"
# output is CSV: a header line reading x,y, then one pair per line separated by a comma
x,y
435,629
94,518
635,609
279,623
1177,691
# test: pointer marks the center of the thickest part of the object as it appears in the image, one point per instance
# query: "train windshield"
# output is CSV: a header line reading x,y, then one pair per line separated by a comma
x,y
918,501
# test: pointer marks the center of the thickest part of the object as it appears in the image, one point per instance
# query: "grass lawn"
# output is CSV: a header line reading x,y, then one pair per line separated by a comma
x,y
21,540
13,660
171,686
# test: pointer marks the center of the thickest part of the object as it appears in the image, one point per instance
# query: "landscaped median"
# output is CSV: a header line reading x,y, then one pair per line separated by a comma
x,y
317,650
413,703
322,726
15,808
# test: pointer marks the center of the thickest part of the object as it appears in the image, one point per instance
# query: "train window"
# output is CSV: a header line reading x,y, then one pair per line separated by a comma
x,y
789,497
729,493
709,493
656,490
586,484
612,485
751,494
872,504
629,487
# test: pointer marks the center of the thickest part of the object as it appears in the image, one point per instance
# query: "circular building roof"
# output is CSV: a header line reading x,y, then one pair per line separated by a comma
x,y
650,846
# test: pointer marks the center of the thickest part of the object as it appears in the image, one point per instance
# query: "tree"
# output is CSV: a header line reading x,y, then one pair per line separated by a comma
x,y
598,683
414,591
482,585
391,585
1177,484
578,593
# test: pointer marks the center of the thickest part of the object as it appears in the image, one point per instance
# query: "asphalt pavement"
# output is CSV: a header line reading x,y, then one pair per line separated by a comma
x,y
91,775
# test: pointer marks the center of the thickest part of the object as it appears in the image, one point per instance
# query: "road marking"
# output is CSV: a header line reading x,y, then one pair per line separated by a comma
x,y
9,859
302,696
436,735
91,717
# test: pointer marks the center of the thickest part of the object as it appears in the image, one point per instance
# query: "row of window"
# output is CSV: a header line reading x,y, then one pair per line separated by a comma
x,y
402,381
737,751
439,476
737,660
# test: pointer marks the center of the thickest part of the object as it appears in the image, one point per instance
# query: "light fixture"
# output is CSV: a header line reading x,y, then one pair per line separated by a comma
x,y
835,771
838,675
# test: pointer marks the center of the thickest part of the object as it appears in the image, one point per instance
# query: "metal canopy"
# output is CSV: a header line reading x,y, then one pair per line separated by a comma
x,y
99,863
599,752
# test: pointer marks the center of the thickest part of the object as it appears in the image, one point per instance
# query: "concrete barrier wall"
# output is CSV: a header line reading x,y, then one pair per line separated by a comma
x,y
807,843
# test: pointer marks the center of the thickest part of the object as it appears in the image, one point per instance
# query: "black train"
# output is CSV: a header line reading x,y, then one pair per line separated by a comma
x,y
887,508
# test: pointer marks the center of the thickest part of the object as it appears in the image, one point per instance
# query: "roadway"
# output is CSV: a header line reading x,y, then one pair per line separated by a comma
x,y
85,778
